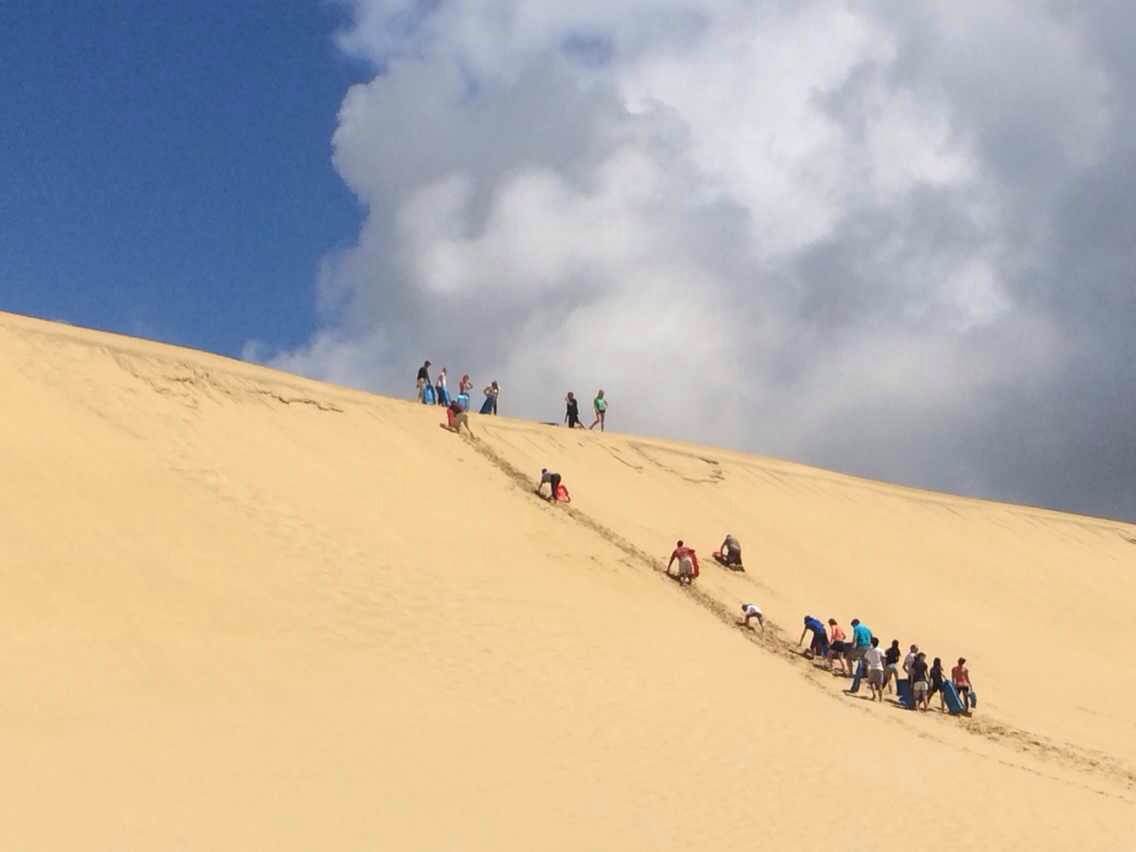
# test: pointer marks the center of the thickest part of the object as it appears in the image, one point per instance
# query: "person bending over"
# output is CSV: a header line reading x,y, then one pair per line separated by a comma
x,y
751,611
553,480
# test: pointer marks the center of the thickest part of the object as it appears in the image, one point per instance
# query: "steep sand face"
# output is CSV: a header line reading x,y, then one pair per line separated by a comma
x,y
245,610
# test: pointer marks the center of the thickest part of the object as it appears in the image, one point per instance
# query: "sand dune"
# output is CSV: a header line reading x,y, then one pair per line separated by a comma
x,y
245,610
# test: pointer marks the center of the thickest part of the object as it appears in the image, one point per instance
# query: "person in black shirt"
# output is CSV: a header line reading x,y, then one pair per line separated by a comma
x,y
919,687
891,664
553,480
572,411
423,379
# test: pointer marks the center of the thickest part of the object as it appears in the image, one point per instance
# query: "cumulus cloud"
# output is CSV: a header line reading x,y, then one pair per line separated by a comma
x,y
890,238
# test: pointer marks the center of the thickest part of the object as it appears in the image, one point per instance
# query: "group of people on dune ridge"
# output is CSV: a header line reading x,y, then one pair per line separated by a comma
x,y
437,392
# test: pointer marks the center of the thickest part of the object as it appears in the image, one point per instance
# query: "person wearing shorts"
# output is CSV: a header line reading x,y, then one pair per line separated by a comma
x,y
837,646
750,611
891,664
960,675
599,405
687,563
920,689
553,480
874,660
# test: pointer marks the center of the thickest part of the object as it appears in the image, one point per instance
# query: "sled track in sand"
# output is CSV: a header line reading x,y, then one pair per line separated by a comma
x,y
1084,761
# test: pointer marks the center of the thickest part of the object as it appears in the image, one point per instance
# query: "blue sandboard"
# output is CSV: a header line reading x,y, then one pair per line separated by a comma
x,y
906,696
972,698
951,698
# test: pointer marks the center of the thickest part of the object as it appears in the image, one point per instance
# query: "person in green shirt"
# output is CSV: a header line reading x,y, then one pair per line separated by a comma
x,y
599,404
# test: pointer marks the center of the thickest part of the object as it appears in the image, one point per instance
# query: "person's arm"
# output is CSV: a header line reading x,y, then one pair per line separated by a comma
x,y
669,564
802,639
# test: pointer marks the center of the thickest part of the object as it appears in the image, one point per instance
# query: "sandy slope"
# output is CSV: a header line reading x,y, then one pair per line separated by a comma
x,y
245,610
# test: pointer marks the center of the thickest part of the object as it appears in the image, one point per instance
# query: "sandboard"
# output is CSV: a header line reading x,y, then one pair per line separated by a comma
x,y
903,690
733,566
951,699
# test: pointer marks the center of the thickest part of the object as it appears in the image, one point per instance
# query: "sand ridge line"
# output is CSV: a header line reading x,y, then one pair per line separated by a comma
x,y
1083,760
202,380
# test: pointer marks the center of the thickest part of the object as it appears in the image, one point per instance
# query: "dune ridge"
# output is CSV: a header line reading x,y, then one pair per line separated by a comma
x,y
249,609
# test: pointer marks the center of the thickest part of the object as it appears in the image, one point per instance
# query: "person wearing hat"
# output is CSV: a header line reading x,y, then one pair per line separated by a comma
x,y
553,480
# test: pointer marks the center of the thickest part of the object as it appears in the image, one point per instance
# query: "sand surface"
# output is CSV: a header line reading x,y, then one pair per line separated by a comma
x,y
243,610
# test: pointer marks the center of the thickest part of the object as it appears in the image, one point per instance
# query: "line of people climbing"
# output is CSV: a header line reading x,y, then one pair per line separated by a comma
x,y
862,659
860,656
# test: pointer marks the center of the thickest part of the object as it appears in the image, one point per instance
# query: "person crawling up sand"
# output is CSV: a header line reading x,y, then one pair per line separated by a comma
x,y
751,611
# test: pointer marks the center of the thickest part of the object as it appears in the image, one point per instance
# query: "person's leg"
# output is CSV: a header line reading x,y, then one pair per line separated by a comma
x,y
603,414
555,487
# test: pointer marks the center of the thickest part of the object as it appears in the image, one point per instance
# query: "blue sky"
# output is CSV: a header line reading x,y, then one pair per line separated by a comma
x,y
167,165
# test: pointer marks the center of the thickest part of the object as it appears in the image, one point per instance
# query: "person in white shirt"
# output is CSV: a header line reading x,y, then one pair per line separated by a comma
x,y
874,660
749,611
909,660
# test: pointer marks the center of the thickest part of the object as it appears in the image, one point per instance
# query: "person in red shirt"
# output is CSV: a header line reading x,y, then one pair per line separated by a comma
x,y
456,417
687,563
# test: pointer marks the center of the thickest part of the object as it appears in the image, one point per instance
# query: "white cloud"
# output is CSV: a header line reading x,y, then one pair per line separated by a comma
x,y
783,215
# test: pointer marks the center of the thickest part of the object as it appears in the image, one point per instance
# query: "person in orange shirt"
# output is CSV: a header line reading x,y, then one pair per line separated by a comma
x,y
837,646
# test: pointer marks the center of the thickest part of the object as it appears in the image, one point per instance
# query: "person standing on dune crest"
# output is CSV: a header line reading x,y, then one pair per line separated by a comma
x,y
572,411
599,405
491,393
423,380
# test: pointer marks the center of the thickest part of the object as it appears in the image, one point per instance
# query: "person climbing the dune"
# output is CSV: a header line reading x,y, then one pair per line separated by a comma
x,y
572,411
687,563
730,553
818,647
553,481
960,677
491,393
599,405
456,417
874,660
861,642
751,611
936,675
919,686
891,664
837,646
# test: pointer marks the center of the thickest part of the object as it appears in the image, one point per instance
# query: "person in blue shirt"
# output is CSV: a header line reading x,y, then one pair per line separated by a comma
x,y
819,645
861,642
